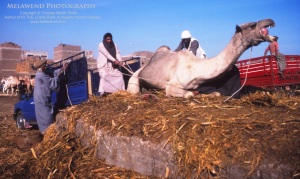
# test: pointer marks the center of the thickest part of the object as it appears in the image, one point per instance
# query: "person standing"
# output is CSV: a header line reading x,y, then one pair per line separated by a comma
x,y
44,85
191,44
108,64
273,47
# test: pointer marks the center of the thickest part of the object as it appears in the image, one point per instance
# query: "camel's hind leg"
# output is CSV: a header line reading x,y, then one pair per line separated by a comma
x,y
133,86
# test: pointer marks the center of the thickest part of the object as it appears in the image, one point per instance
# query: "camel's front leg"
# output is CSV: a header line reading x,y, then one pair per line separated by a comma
x,y
175,91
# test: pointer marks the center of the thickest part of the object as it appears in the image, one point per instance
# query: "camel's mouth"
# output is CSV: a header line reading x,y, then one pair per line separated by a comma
x,y
257,31
264,32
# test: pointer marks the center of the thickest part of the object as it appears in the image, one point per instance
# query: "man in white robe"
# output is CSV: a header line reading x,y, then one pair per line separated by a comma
x,y
108,64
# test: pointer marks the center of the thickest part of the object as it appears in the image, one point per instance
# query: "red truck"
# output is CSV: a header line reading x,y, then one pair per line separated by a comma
x,y
263,72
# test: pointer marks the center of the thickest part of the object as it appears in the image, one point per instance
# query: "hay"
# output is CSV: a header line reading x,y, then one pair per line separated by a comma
x,y
205,134
62,156
202,131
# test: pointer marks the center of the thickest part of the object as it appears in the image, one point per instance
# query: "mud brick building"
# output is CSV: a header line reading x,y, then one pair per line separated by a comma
x,y
17,62
10,55
28,54
63,51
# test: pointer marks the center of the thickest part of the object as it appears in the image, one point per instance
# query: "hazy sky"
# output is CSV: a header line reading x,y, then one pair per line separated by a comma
x,y
144,25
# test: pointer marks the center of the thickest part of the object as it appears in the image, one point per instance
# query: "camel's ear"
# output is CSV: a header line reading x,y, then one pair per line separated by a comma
x,y
238,29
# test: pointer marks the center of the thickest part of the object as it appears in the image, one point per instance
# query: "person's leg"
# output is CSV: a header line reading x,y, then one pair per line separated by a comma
x,y
101,83
281,62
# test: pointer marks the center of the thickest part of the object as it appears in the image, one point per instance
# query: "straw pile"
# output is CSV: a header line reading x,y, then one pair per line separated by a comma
x,y
205,133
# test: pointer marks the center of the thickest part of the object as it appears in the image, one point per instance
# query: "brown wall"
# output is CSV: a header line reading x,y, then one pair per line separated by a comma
x,y
9,57
10,53
63,51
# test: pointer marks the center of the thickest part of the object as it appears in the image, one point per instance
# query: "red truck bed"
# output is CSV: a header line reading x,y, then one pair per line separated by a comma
x,y
263,72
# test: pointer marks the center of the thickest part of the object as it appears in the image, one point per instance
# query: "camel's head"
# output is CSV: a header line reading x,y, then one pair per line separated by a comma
x,y
253,34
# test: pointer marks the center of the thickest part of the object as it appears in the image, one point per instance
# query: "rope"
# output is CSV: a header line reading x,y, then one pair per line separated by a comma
x,y
244,80
139,78
247,66
67,85
129,70
110,83
146,79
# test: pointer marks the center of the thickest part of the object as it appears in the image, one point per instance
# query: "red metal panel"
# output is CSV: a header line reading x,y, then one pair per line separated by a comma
x,y
263,71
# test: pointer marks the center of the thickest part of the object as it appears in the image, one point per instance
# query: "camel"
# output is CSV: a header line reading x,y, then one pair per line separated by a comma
x,y
10,82
180,73
27,82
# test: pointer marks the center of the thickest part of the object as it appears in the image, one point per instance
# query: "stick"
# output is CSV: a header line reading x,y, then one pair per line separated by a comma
x,y
131,72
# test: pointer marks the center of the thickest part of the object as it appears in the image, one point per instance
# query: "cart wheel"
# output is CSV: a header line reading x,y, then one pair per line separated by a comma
x,y
20,122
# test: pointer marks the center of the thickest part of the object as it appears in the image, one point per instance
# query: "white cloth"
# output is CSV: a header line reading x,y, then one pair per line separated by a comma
x,y
111,80
200,52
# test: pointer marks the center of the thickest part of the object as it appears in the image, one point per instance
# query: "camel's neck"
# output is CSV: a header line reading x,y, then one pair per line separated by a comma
x,y
222,62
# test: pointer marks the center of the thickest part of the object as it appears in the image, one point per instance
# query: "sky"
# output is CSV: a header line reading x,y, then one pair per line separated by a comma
x,y
144,25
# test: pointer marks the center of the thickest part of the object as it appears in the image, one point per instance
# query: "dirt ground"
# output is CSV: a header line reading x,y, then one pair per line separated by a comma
x,y
267,125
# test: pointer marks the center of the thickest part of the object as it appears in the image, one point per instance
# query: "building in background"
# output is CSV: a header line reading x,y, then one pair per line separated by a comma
x,y
63,51
18,62
10,55
41,55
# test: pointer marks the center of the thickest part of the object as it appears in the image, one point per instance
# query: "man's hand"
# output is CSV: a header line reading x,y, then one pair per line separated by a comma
x,y
63,68
116,62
